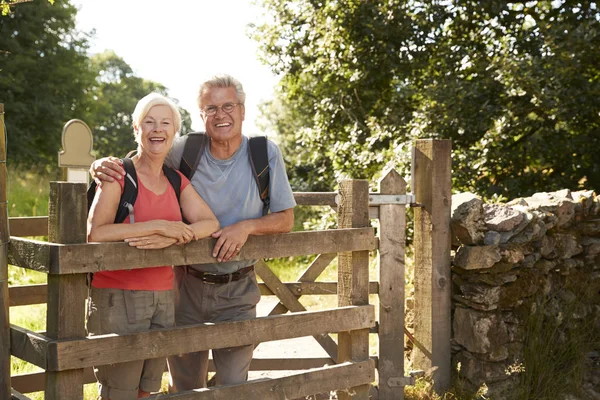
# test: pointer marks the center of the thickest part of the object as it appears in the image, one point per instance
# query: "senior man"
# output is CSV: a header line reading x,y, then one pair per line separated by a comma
x,y
227,290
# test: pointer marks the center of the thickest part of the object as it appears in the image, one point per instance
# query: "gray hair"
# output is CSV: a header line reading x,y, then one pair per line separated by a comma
x,y
222,81
151,100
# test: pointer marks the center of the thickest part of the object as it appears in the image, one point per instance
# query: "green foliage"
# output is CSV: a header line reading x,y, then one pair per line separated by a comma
x,y
5,6
28,191
47,79
513,84
44,77
112,99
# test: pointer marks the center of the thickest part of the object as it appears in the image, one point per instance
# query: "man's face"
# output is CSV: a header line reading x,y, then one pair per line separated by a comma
x,y
222,126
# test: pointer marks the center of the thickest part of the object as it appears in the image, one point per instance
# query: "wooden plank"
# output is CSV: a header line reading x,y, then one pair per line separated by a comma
x,y
29,345
392,228
36,381
65,317
28,226
106,349
5,385
316,268
112,256
18,396
294,386
353,278
315,198
311,288
432,176
27,295
36,294
31,254
290,301
309,275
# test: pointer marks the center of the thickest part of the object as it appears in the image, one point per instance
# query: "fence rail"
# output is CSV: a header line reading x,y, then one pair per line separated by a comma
x,y
66,354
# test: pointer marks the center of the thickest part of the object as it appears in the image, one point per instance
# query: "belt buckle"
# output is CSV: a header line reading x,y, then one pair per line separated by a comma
x,y
205,280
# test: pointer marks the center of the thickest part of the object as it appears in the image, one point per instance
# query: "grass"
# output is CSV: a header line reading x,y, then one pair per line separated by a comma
x,y
555,351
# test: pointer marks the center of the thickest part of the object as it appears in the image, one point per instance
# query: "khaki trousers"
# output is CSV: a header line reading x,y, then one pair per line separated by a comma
x,y
198,302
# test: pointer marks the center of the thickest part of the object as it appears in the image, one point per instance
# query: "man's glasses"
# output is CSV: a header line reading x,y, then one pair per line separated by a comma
x,y
227,107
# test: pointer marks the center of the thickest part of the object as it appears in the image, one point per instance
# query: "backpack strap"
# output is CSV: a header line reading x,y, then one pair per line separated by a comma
x,y
192,151
129,195
259,160
174,179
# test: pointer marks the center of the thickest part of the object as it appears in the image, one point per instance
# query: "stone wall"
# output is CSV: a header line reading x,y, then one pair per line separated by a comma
x,y
535,254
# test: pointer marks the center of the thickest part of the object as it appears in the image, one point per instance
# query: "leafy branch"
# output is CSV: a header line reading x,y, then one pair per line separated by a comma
x,y
6,5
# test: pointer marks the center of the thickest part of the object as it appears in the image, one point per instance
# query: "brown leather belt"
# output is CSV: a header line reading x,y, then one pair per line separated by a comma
x,y
217,279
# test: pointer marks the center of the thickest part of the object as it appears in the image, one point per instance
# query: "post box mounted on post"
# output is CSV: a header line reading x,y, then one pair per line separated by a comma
x,y
75,158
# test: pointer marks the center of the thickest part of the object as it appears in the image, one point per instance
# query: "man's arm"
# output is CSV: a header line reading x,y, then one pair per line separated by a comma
x,y
233,237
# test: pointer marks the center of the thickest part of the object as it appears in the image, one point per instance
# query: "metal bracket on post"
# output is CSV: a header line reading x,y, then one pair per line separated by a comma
x,y
401,381
376,199
398,199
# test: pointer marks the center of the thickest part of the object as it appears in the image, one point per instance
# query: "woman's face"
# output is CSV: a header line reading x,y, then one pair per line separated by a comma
x,y
156,132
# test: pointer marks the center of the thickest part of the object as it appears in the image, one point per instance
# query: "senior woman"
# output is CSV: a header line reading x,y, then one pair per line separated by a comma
x,y
127,301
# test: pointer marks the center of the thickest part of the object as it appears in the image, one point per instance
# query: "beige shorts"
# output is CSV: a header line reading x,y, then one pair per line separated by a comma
x,y
129,311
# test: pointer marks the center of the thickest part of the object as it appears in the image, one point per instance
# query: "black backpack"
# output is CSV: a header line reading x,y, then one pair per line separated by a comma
x,y
130,190
257,154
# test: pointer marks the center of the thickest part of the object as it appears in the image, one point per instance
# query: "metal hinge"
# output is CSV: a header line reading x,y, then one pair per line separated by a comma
x,y
383,199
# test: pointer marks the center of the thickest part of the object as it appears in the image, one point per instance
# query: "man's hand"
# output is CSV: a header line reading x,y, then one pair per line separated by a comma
x,y
151,242
107,169
230,240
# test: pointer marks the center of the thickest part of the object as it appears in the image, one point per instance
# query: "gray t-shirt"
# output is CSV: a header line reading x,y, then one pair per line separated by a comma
x,y
230,190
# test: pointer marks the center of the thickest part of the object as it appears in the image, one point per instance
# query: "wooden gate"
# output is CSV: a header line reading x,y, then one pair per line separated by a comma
x,y
67,355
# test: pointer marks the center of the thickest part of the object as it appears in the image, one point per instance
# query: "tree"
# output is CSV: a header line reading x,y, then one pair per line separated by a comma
x,y
514,85
111,102
5,5
47,78
44,76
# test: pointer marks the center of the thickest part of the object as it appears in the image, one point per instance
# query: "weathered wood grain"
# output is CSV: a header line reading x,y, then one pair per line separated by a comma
x,y
37,294
353,277
28,226
29,346
35,382
315,198
105,349
309,275
392,228
432,176
65,315
294,386
112,256
5,391
18,396
32,254
27,295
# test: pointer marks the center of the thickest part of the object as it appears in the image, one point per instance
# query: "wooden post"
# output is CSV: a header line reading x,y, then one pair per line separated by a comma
x,y
67,214
5,391
392,240
353,278
432,168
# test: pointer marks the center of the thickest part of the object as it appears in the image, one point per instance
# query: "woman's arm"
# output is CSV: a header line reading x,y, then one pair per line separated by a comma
x,y
101,226
198,213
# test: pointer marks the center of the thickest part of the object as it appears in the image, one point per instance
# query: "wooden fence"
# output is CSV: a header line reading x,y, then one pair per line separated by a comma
x,y
67,355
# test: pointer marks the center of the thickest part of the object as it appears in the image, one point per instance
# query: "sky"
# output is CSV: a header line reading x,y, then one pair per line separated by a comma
x,y
179,42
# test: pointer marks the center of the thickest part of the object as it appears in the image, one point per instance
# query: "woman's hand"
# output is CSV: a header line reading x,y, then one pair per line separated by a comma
x,y
178,230
151,242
